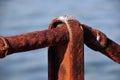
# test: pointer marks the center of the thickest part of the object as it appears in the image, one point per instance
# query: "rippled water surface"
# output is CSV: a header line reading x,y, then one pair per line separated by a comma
x,y
21,16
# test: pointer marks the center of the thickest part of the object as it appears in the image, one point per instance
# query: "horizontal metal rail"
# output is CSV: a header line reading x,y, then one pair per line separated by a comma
x,y
63,33
32,40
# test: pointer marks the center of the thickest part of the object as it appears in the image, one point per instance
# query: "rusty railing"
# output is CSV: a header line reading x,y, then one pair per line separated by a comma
x,y
65,39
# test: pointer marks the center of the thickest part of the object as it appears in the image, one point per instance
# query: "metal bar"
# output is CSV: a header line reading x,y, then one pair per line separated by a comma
x,y
98,41
32,40
93,38
65,41
66,61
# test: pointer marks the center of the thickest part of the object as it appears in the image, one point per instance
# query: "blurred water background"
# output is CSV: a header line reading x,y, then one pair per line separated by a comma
x,y
21,16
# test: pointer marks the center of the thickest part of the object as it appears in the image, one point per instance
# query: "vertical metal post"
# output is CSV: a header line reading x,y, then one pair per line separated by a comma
x,y
66,61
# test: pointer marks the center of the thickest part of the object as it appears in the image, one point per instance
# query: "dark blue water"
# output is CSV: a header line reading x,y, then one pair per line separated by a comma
x,y
21,16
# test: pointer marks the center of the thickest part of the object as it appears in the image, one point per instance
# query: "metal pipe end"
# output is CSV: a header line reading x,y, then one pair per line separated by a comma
x,y
3,47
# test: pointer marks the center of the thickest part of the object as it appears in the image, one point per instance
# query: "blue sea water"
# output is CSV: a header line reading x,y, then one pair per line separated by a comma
x,y
21,16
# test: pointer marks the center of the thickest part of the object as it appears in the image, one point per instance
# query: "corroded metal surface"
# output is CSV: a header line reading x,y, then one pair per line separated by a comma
x,y
93,38
66,61
98,41
3,47
65,41
32,40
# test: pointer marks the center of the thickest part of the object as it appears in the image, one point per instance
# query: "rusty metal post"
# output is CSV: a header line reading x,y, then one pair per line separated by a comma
x,y
66,61
65,41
